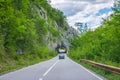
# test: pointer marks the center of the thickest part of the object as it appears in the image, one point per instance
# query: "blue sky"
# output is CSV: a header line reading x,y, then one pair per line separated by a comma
x,y
103,11
85,11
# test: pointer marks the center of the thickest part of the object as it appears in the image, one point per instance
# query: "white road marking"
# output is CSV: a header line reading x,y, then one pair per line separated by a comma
x,y
49,70
73,62
92,73
40,79
89,72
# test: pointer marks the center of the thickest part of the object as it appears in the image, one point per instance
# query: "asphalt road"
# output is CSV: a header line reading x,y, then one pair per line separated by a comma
x,y
53,69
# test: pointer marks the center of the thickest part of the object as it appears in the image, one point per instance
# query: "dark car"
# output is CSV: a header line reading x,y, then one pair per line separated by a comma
x,y
61,56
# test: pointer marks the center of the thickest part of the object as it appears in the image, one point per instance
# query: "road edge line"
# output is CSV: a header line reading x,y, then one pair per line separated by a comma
x,y
92,73
88,70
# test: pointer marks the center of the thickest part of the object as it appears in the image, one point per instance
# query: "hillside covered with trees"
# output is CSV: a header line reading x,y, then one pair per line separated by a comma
x,y
101,45
27,28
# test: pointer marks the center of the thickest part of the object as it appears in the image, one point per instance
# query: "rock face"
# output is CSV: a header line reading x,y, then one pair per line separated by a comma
x,y
64,35
71,32
50,40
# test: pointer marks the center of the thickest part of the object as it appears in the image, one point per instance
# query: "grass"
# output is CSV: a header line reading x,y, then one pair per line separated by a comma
x,y
106,74
9,64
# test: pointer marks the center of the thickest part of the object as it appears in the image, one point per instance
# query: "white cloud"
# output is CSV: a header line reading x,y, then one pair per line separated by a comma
x,y
83,10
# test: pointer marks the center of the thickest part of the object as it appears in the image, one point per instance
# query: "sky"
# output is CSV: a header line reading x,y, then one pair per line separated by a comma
x,y
91,12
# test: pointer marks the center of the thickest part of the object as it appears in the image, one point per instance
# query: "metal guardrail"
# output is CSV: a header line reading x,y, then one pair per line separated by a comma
x,y
102,66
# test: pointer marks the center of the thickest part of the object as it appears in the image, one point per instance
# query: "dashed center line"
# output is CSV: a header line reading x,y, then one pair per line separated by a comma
x,y
49,70
40,79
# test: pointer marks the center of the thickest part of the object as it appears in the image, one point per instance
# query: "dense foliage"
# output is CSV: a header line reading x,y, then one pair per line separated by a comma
x,y
23,31
101,45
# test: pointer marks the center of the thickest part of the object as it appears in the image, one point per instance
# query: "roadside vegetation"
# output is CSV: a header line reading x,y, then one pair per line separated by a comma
x,y
25,33
101,45
13,62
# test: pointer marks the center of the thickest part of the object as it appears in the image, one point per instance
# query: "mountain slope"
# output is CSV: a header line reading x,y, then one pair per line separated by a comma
x,y
28,29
